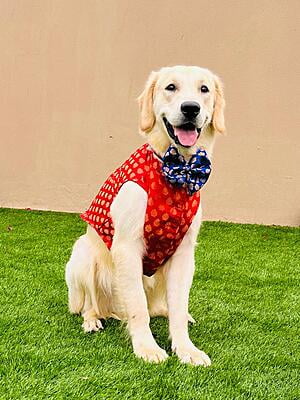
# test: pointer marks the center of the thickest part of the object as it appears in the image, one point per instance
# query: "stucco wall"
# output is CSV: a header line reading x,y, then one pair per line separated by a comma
x,y
70,72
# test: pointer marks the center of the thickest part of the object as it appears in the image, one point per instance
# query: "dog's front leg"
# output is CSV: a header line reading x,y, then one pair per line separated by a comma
x,y
128,214
179,276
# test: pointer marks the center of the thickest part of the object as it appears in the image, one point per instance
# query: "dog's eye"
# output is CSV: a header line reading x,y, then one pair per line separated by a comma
x,y
171,87
204,89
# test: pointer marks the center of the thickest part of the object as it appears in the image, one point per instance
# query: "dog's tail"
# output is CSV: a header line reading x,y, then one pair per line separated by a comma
x,y
76,293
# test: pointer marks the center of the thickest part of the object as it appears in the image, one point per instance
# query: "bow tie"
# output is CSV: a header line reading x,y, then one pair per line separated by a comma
x,y
192,174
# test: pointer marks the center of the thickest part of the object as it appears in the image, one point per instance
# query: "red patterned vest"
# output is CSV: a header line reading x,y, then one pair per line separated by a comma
x,y
169,214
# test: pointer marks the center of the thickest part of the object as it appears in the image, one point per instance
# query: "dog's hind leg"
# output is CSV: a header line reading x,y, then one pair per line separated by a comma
x,y
156,291
91,317
155,288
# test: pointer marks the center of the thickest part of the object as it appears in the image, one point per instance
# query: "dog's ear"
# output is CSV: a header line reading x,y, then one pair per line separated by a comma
x,y
218,121
145,100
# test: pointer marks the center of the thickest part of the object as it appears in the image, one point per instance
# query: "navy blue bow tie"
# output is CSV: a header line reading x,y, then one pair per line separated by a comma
x,y
192,174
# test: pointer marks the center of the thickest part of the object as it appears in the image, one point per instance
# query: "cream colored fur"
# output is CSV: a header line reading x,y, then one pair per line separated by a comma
x,y
103,283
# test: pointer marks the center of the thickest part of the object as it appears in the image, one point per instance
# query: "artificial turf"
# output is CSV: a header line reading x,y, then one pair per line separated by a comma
x,y
245,299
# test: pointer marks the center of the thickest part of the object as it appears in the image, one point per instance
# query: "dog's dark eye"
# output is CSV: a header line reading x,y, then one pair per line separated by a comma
x,y
204,89
171,87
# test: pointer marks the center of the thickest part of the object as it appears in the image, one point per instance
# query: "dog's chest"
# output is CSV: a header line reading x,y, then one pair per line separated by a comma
x,y
169,214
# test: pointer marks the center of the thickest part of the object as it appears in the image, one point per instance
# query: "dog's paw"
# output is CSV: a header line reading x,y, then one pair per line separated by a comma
x,y
92,325
153,354
191,319
191,355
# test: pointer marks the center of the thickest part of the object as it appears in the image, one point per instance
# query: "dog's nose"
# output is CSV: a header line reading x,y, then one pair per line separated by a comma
x,y
190,109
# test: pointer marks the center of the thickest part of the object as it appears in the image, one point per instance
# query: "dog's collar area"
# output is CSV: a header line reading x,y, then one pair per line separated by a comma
x,y
155,154
161,158
192,174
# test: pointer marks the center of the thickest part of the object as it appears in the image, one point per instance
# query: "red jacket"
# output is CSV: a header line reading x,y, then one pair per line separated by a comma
x,y
169,214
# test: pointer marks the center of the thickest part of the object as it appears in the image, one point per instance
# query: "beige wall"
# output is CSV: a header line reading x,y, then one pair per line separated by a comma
x,y
70,72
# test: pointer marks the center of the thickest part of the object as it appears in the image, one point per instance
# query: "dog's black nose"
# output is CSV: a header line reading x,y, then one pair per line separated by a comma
x,y
190,109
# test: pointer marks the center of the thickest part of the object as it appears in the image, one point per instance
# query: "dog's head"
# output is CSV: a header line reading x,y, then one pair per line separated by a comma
x,y
184,105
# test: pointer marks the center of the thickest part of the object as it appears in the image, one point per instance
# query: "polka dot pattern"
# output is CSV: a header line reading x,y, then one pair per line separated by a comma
x,y
192,174
169,214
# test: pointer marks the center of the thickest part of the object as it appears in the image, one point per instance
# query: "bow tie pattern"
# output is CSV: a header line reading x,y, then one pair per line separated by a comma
x,y
192,174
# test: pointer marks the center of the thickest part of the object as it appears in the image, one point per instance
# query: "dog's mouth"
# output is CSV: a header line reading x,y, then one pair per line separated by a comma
x,y
186,134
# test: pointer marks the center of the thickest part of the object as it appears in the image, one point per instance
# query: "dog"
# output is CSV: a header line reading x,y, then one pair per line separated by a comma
x,y
136,259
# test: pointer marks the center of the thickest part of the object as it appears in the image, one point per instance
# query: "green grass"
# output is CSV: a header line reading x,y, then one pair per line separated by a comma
x,y
245,298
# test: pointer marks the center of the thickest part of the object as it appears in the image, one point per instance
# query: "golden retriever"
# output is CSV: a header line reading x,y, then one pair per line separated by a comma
x,y
183,106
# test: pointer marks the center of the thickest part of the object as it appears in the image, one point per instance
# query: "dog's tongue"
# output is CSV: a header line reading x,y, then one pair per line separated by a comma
x,y
186,137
